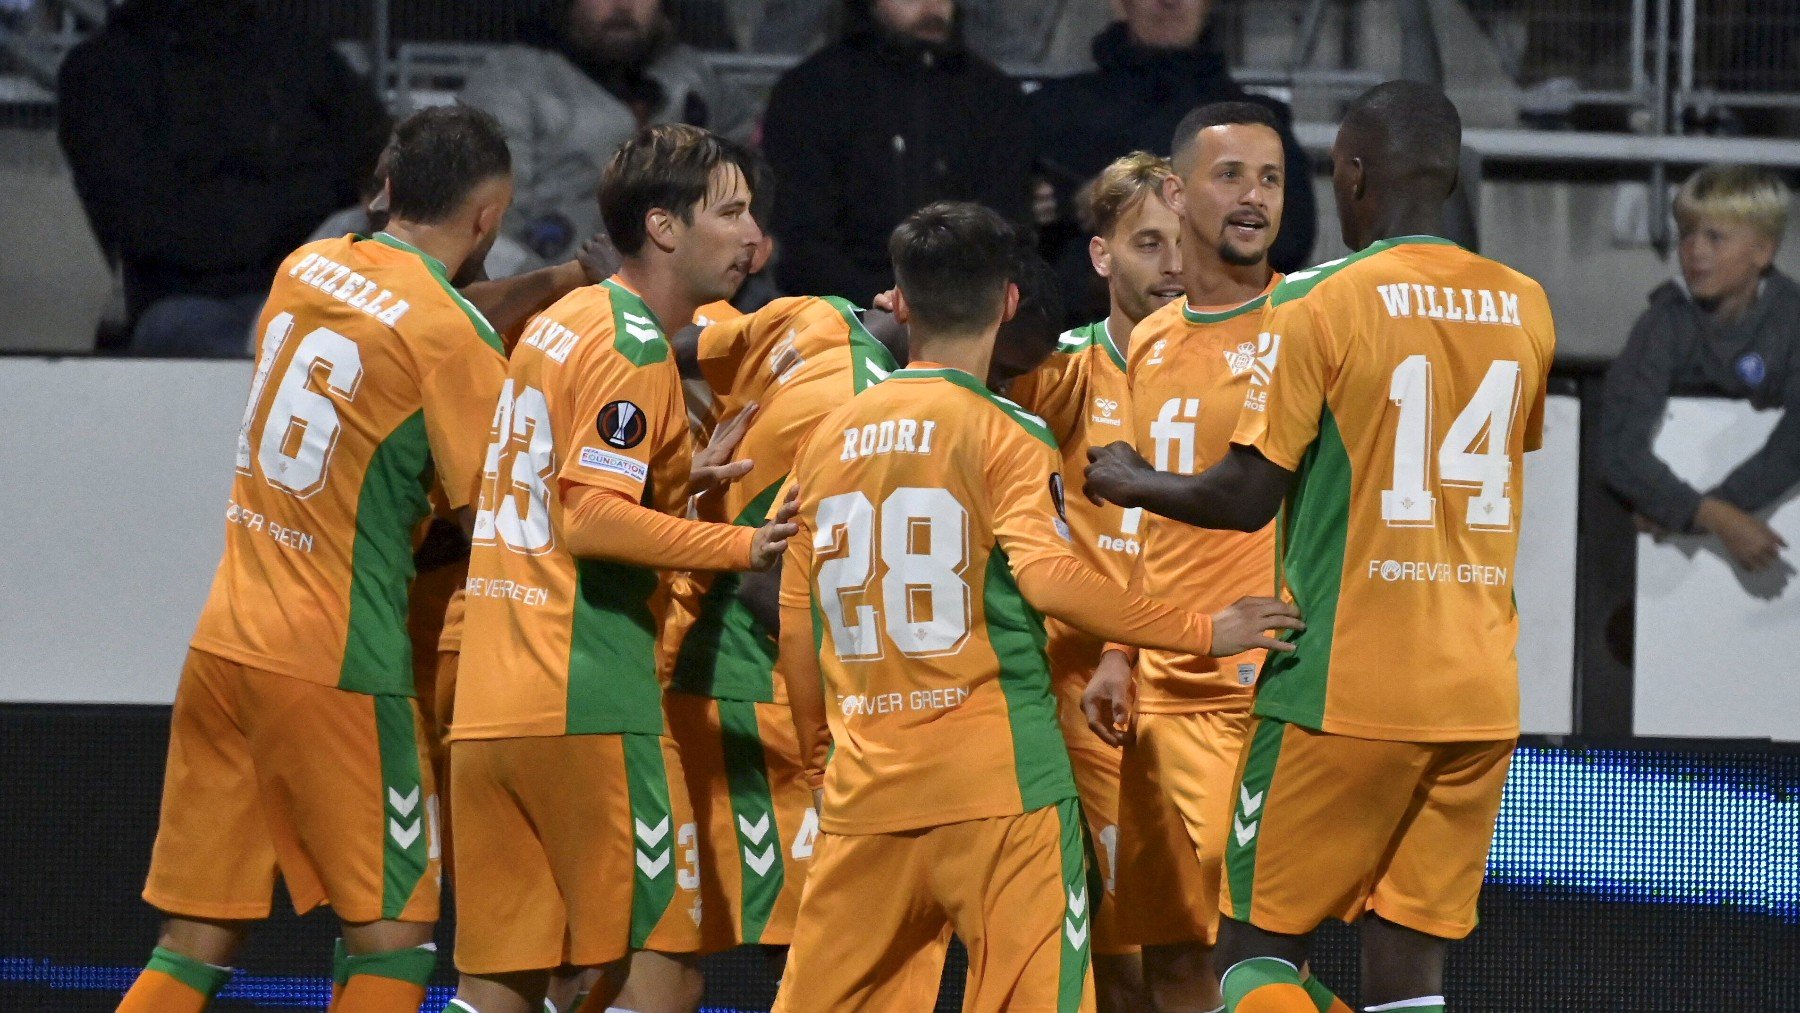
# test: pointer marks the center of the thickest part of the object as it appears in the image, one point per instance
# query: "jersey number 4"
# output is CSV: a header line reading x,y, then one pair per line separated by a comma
x,y
301,430
1475,452
923,548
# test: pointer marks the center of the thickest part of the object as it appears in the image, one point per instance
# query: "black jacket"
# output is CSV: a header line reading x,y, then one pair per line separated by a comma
x,y
869,130
207,142
1675,349
1134,102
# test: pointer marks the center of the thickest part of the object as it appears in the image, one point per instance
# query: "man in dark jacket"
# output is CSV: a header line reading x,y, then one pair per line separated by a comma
x,y
206,143
1153,68
896,115
1729,328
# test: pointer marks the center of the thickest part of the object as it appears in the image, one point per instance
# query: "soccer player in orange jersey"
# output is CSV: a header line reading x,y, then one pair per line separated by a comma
x,y
575,842
1081,394
912,645
1390,406
791,363
295,741
1180,717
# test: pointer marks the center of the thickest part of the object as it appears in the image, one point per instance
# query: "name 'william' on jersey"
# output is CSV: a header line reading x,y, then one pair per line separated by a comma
x,y
1404,385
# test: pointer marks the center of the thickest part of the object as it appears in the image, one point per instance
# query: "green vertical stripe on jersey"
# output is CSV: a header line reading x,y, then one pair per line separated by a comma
x,y
655,843
1314,525
1016,631
727,654
406,831
1247,812
1081,895
377,651
612,651
753,814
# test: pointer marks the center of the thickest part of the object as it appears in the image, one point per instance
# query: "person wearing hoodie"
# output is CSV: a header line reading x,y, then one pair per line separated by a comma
x,y
1730,327
206,142
896,115
595,72
1153,68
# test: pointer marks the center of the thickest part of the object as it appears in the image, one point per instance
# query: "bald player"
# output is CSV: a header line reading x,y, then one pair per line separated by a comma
x,y
1402,387
1081,395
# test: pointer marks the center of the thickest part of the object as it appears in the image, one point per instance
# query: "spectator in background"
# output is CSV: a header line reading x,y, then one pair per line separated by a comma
x,y
1050,35
1729,327
207,142
1154,66
894,116
601,70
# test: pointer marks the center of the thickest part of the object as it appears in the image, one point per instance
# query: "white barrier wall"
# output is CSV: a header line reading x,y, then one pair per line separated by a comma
x,y
118,473
1545,585
1718,649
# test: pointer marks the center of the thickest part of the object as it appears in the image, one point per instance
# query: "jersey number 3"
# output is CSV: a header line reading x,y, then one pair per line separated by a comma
x,y
302,426
923,549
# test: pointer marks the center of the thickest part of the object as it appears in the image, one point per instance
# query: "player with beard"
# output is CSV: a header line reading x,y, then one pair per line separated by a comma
x,y
1181,717
1081,394
1386,419
575,843
295,740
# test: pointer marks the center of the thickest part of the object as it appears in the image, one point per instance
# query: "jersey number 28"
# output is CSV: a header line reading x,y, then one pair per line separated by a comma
x,y
922,534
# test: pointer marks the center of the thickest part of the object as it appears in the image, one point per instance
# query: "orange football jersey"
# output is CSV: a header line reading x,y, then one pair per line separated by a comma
x,y
372,376
1403,384
1081,394
1189,371
919,498
553,644
724,652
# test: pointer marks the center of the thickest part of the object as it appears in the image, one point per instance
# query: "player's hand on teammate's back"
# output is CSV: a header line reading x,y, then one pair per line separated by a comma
x,y
771,539
713,466
1111,472
1110,701
599,258
1244,624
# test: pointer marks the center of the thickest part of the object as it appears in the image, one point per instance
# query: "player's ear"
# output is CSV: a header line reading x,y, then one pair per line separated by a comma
x,y
1101,257
1174,194
383,200
902,312
660,228
1012,302
1359,178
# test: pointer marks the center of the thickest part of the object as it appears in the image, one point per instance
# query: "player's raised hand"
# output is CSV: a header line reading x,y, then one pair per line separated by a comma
x,y
599,258
1110,700
770,541
1244,624
1112,472
713,466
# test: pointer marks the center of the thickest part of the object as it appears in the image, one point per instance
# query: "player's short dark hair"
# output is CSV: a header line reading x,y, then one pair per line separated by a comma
x,y
438,156
952,260
1039,317
1414,124
668,166
1219,114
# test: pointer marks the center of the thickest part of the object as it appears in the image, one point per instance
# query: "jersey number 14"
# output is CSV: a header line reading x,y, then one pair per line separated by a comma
x,y
1475,452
